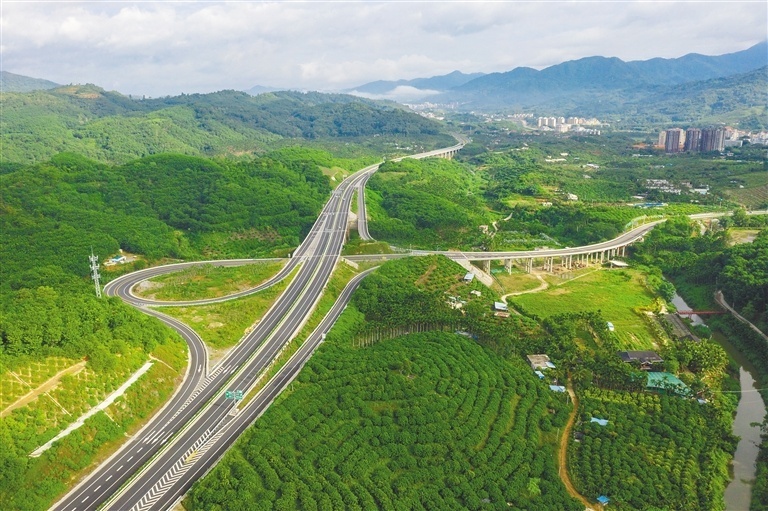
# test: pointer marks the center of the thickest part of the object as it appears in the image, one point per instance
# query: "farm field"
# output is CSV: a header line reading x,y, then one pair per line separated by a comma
x,y
15,384
662,449
738,236
371,428
616,293
516,282
207,281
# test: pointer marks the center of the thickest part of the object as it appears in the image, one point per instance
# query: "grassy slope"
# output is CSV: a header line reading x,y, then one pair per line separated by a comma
x,y
37,482
617,293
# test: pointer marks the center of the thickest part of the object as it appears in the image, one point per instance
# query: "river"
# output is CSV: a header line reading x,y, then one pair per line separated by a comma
x,y
751,410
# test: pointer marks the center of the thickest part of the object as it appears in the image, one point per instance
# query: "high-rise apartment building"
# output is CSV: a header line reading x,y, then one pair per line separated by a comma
x,y
674,137
692,140
712,139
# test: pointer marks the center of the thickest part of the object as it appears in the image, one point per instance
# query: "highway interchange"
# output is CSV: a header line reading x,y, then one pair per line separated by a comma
x,y
158,465
192,431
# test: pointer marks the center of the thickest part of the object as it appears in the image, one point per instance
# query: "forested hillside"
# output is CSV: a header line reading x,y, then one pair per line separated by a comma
x,y
428,203
52,215
159,206
110,127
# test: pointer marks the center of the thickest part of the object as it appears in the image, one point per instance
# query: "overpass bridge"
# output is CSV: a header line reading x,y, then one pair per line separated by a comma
x,y
548,259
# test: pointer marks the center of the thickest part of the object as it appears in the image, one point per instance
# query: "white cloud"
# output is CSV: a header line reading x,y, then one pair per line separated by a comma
x,y
160,48
401,93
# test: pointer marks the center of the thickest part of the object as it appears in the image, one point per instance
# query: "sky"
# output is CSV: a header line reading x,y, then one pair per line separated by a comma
x,y
172,47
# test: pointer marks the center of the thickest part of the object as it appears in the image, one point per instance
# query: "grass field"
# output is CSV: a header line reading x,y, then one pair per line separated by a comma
x,y
208,281
516,282
616,293
222,325
335,174
738,236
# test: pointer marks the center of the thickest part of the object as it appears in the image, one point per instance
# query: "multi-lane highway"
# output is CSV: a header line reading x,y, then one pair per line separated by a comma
x,y
185,439
198,415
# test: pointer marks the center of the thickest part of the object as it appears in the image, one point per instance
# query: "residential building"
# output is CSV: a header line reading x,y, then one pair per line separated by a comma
x,y
712,139
662,139
673,141
692,140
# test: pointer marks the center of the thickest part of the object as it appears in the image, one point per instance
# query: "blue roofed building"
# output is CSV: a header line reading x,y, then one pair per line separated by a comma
x,y
666,383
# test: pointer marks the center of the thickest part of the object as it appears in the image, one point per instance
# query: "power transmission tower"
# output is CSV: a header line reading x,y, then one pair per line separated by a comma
x,y
95,272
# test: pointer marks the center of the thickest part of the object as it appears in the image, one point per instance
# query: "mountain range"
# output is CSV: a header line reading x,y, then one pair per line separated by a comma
x,y
696,88
388,89
574,84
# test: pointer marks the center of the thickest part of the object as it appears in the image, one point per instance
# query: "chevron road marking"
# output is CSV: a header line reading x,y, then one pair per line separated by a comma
x,y
182,465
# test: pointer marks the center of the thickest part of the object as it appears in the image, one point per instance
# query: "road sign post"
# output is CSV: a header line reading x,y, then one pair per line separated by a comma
x,y
235,395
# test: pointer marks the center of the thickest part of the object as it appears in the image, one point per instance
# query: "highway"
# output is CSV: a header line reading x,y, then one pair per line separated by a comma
x,y
199,412
195,428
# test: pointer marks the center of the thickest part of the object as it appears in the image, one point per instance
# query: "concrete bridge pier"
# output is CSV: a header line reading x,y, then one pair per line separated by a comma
x,y
508,265
487,266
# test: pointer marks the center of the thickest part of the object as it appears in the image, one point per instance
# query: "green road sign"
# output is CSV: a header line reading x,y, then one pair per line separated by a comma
x,y
229,395
238,395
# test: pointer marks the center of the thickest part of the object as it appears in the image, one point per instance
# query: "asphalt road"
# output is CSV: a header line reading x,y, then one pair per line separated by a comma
x,y
199,411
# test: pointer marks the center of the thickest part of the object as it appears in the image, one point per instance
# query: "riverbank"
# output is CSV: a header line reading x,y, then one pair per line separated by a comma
x,y
748,488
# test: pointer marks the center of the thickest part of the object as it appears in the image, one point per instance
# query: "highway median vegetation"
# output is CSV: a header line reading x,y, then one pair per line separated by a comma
x,y
426,203
208,281
222,325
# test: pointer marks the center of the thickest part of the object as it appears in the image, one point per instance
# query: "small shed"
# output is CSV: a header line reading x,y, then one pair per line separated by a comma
x,y
557,388
645,359
469,277
610,326
679,328
599,422
476,292
602,499
500,307
540,362
539,374
615,263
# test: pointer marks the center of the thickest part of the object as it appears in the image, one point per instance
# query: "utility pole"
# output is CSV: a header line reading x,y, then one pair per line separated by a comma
x,y
95,272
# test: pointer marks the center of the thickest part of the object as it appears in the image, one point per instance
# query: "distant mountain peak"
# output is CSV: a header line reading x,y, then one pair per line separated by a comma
x,y
572,81
10,82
